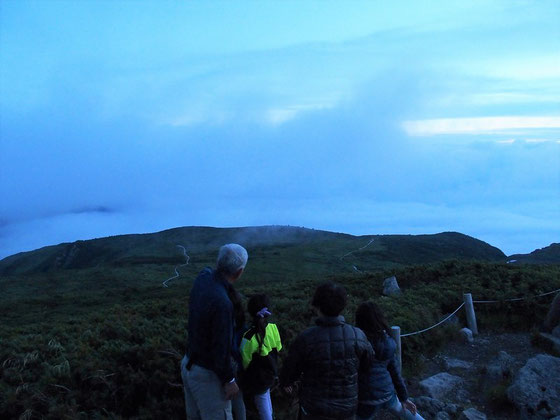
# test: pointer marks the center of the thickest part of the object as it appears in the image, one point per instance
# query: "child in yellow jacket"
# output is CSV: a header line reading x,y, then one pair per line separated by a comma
x,y
259,352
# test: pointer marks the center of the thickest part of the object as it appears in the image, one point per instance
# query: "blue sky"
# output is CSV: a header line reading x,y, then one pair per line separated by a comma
x,y
360,117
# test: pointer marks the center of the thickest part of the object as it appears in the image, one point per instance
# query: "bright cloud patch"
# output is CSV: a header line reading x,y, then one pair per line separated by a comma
x,y
481,125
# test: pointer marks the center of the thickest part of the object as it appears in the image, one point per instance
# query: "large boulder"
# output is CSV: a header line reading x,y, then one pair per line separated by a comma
x,y
391,287
536,388
440,385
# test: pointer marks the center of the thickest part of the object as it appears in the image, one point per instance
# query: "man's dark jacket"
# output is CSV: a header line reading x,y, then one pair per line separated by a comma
x,y
211,324
328,358
383,378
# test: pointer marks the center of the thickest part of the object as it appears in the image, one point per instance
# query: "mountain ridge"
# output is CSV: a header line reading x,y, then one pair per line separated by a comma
x,y
547,255
159,247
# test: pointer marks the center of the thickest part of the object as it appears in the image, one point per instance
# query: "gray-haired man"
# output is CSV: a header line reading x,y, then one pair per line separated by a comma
x,y
207,369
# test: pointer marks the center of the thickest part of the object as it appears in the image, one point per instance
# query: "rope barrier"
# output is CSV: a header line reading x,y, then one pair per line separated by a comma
x,y
187,258
516,299
433,326
478,301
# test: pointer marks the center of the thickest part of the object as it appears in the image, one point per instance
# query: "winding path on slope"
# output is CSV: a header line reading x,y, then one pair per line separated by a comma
x,y
359,249
177,274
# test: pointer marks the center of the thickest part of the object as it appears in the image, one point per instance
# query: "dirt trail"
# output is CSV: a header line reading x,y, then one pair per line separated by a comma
x,y
177,274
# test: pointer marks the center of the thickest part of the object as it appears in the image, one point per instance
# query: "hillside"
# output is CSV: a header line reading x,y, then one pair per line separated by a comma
x,y
296,243
546,255
88,324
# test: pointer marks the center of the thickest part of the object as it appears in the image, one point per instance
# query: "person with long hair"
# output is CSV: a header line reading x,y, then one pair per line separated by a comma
x,y
259,352
382,387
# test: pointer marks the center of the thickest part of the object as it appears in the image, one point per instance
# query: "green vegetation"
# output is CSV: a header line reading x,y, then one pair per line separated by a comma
x,y
102,338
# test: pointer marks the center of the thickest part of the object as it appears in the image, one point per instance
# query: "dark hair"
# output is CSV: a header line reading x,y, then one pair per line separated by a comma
x,y
370,319
254,305
329,298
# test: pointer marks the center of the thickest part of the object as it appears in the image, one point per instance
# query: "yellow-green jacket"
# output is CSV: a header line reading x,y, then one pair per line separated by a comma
x,y
260,367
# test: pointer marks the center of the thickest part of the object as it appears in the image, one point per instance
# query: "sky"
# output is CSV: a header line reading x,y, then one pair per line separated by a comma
x,y
375,117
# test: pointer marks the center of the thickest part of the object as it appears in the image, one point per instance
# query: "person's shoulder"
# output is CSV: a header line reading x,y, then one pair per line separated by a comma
x,y
249,334
313,334
390,342
206,272
359,334
385,347
307,333
271,326
203,277
272,331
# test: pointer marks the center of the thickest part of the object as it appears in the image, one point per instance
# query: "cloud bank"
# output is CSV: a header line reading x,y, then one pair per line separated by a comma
x,y
403,130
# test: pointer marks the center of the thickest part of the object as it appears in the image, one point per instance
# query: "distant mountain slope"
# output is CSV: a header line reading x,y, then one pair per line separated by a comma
x,y
546,255
419,249
294,245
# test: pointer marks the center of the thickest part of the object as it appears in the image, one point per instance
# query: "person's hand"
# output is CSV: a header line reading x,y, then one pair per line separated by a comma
x,y
289,389
231,390
410,406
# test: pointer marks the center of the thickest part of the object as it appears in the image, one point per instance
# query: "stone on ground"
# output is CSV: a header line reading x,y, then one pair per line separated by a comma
x,y
467,335
428,406
451,363
536,388
391,287
499,369
440,385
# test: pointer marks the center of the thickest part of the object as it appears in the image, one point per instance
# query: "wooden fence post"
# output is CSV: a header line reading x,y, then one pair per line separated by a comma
x,y
471,317
396,333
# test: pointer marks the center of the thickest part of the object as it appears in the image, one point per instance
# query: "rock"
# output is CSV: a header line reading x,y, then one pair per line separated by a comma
x,y
473,414
552,319
456,364
438,386
442,415
428,406
499,369
452,409
556,332
463,395
391,287
467,335
536,388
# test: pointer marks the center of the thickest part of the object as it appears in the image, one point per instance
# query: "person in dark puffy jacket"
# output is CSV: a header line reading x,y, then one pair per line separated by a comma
x,y
382,387
327,359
